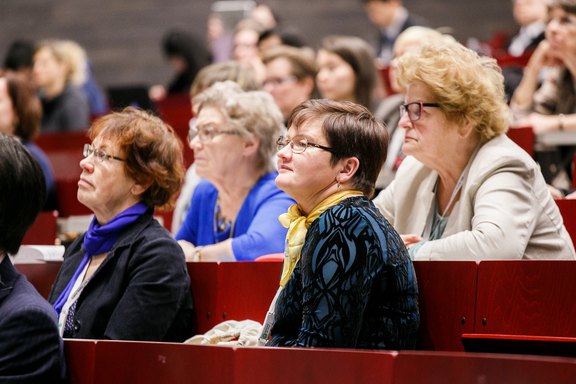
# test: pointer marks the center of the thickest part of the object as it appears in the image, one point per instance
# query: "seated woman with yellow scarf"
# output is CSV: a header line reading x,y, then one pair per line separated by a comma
x,y
347,280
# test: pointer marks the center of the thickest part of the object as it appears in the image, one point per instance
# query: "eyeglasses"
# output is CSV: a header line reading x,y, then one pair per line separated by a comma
x,y
414,109
298,144
99,154
276,81
205,132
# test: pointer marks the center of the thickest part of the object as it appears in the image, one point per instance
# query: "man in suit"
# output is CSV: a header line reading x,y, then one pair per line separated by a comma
x,y
391,18
31,350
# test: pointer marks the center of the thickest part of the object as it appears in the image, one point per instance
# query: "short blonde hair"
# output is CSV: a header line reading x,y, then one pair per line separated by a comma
x,y
249,113
70,53
469,88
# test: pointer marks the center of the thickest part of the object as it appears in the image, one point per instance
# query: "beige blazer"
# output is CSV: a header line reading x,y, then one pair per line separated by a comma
x,y
505,210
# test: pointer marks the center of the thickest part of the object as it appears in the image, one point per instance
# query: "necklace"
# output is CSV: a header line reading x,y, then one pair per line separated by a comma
x,y
221,224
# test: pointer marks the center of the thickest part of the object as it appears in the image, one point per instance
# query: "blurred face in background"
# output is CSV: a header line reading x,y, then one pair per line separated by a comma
x,y
526,12
336,78
286,89
7,113
381,13
561,33
246,45
47,69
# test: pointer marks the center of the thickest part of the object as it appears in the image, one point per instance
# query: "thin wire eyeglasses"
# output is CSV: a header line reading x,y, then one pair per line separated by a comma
x,y
99,154
276,81
298,144
206,132
414,109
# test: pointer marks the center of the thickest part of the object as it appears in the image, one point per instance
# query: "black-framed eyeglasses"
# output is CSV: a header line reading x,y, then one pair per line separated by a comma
x,y
414,109
205,132
99,154
298,144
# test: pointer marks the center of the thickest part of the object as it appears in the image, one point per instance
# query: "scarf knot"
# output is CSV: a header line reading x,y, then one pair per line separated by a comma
x,y
100,239
298,225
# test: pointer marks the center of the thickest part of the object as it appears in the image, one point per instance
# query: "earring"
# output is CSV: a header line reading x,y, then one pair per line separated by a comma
x,y
337,185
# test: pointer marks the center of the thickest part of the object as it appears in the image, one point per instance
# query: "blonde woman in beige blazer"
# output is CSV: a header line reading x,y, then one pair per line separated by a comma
x,y
465,191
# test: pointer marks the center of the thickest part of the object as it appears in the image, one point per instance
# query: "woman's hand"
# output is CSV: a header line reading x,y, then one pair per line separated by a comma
x,y
191,252
411,239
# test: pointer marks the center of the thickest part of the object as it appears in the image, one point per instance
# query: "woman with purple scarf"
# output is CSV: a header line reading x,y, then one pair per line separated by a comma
x,y
126,278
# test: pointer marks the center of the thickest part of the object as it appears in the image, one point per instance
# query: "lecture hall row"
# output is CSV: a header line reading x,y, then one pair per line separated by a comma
x,y
521,308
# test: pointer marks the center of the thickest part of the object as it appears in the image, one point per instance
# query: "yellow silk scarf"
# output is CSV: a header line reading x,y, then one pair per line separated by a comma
x,y
298,225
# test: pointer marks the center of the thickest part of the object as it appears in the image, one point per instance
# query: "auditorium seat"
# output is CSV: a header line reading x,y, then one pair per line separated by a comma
x,y
311,365
450,367
62,141
232,291
524,137
127,362
176,110
81,361
278,257
568,211
524,298
40,275
132,362
43,230
447,295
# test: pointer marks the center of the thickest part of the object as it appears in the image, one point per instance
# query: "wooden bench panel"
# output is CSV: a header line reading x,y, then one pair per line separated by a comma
x,y
520,344
152,363
453,367
247,289
526,297
80,360
447,295
309,365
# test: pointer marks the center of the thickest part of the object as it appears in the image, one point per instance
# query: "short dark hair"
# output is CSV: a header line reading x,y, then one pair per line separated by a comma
x,y
26,104
19,56
153,152
352,131
22,192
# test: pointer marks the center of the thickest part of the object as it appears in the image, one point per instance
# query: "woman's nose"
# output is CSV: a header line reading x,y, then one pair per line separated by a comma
x,y
87,163
405,121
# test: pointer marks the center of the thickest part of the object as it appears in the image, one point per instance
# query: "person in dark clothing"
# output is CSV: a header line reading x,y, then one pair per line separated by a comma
x,y
126,278
187,55
31,351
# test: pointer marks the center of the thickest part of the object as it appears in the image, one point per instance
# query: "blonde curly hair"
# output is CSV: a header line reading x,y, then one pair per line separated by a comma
x,y
469,87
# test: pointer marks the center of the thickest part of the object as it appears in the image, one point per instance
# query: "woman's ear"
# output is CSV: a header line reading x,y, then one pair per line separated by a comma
x,y
251,145
138,189
465,130
348,168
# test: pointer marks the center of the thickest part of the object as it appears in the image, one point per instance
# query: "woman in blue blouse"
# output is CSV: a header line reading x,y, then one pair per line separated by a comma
x,y
234,212
347,280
